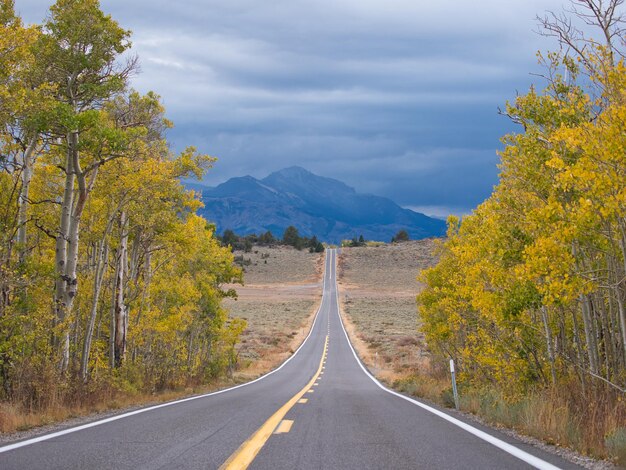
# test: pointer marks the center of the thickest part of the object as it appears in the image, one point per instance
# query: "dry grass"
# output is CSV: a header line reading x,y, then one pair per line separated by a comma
x,y
388,268
281,293
14,418
282,265
377,288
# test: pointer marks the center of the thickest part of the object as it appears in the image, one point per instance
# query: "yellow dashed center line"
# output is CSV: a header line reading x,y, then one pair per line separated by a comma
x,y
284,426
247,451
303,400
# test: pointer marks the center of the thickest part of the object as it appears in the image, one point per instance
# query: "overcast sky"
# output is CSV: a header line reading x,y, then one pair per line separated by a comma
x,y
394,97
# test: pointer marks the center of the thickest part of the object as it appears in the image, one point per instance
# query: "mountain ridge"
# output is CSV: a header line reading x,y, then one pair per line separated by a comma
x,y
315,205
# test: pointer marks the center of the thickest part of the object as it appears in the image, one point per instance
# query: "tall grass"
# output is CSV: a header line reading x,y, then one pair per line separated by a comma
x,y
39,399
592,421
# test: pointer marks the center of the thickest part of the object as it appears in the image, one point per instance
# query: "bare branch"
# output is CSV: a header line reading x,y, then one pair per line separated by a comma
x,y
48,232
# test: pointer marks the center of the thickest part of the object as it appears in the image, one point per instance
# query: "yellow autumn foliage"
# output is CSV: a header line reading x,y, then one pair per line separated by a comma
x,y
530,289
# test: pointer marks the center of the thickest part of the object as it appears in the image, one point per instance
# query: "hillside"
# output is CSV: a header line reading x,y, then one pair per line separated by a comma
x,y
324,207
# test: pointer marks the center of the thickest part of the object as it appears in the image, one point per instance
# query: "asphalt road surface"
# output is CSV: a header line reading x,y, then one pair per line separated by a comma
x,y
320,410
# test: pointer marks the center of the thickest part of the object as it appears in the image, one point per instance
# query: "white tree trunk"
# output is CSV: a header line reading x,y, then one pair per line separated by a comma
x,y
103,254
590,335
26,176
121,314
68,241
619,291
60,295
549,344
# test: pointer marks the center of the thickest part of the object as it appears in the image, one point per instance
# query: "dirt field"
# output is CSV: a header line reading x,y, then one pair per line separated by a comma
x,y
281,293
377,292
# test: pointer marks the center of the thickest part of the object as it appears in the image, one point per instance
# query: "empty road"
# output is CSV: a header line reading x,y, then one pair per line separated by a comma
x,y
320,410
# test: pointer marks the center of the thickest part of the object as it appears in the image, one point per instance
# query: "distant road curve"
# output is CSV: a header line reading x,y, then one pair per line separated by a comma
x,y
319,409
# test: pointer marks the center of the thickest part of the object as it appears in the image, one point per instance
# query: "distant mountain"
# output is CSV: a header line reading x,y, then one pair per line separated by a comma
x,y
315,205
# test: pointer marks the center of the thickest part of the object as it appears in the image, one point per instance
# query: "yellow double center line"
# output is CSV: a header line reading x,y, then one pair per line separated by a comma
x,y
247,451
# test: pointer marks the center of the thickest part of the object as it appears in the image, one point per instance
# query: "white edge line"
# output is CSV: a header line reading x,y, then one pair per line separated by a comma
x,y
63,432
505,446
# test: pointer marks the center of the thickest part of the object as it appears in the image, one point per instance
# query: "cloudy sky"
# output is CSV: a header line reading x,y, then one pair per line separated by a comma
x,y
395,97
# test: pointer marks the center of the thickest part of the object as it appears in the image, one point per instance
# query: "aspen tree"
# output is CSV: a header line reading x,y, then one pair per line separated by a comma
x,y
80,44
531,288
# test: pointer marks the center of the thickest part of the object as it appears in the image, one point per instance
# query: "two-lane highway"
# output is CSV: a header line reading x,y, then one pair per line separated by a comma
x,y
320,409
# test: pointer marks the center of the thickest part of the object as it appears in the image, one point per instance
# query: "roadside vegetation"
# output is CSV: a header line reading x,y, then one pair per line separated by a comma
x,y
111,286
529,295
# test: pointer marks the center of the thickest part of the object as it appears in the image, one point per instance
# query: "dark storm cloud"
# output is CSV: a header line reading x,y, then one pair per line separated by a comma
x,y
398,97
